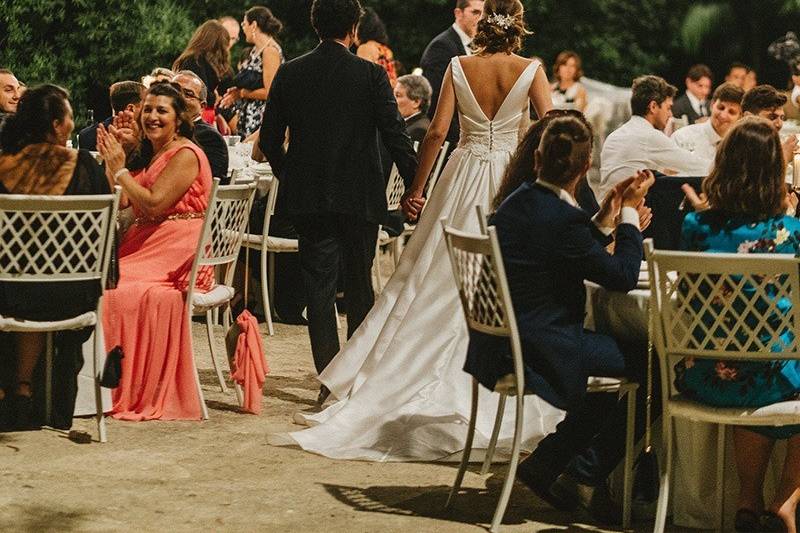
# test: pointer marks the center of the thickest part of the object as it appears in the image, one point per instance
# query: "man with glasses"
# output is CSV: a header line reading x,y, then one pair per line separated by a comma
x,y
205,136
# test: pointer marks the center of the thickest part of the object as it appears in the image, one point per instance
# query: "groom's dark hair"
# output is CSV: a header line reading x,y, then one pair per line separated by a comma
x,y
334,19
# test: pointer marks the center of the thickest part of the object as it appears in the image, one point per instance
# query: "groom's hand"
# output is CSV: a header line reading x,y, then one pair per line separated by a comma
x,y
411,204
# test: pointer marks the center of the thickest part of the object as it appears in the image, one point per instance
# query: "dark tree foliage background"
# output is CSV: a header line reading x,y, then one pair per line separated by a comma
x,y
86,45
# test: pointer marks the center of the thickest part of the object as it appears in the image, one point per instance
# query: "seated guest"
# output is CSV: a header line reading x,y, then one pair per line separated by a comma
x,y
693,104
145,314
568,91
726,109
737,74
413,95
35,160
205,136
521,169
550,247
766,102
125,96
747,198
10,93
641,143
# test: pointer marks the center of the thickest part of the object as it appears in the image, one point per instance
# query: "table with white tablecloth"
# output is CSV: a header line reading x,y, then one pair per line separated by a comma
x,y
694,484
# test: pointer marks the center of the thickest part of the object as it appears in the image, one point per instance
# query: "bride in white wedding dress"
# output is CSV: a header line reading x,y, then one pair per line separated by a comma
x,y
402,394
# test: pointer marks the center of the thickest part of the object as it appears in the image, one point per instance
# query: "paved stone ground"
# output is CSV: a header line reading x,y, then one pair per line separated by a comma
x,y
221,475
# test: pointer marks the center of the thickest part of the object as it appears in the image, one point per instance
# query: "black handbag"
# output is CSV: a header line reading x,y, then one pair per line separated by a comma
x,y
112,370
249,79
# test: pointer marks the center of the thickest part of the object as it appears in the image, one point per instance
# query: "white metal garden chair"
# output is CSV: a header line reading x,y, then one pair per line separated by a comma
x,y
218,246
486,301
48,239
700,309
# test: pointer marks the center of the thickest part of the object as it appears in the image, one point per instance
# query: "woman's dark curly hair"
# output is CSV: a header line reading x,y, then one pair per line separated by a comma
x,y
185,127
749,171
264,19
372,28
501,29
38,108
521,167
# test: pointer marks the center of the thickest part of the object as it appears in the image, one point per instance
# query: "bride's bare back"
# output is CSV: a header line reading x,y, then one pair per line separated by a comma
x,y
492,77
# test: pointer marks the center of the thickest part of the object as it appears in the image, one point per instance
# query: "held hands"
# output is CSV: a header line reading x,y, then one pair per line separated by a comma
x,y
111,150
412,203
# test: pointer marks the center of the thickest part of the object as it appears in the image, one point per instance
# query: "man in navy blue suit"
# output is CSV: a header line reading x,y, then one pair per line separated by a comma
x,y
550,246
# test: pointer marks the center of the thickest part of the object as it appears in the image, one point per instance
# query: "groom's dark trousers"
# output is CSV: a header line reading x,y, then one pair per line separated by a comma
x,y
332,105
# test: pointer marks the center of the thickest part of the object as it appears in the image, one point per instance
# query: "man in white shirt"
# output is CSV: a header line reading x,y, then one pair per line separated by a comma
x,y
693,104
702,139
641,143
766,102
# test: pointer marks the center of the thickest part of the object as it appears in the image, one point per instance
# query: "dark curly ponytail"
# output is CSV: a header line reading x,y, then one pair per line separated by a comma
x,y
565,150
501,29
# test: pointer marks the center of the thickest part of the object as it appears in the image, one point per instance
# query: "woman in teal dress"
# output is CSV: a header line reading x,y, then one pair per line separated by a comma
x,y
747,202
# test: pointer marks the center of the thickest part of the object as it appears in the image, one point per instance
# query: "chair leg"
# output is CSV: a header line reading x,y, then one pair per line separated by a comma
x,y
663,489
627,484
473,415
200,395
501,407
212,345
48,379
508,484
336,313
265,300
98,394
721,476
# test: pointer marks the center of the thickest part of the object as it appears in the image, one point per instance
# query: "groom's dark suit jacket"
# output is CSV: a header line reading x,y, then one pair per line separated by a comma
x,y
435,60
549,248
333,105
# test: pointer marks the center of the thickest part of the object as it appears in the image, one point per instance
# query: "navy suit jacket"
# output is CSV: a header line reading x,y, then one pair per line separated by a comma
x,y
549,248
434,62
87,137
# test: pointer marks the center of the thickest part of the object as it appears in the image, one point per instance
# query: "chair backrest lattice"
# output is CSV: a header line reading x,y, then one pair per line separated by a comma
x,y
226,219
726,306
394,189
480,277
56,238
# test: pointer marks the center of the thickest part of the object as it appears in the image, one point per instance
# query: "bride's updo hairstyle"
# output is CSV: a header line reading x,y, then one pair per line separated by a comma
x,y
565,151
501,29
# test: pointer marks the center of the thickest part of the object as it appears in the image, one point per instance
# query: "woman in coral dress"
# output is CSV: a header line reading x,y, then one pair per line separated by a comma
x,y
145,314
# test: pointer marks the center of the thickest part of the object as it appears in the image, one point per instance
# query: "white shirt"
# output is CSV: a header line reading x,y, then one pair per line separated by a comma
x,y
465,39
696,103
637,145
628,215
701,139
795,95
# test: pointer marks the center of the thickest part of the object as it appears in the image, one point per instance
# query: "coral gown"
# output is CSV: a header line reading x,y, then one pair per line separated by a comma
x,y
145,314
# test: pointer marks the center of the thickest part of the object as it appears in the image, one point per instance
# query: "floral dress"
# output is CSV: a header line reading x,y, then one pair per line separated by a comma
x,y
737,383
252,111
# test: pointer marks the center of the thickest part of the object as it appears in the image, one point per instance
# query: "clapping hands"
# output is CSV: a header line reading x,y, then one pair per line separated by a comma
x,y
111,150
126,130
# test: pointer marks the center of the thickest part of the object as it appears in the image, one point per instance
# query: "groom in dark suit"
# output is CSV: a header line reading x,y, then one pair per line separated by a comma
x,y
452,42
333,105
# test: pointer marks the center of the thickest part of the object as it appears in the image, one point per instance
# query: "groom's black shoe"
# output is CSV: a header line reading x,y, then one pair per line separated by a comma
x,y
324,392
594,500
539,478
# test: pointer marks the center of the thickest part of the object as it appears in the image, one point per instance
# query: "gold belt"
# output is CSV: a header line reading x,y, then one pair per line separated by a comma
x,y
142,221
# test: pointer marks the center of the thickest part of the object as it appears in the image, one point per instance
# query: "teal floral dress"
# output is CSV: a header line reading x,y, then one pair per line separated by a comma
x,y
742,383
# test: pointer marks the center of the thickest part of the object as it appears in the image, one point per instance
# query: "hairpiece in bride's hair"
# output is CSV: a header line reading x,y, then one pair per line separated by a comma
x,y
503,21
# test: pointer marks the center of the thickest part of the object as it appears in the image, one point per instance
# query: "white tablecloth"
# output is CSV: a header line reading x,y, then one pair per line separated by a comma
x,y
694,485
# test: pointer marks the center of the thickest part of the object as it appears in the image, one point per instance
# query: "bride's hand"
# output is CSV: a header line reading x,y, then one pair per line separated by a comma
x,y
412,203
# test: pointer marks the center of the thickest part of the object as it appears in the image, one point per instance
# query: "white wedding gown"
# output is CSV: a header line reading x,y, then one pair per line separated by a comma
x,y
403,395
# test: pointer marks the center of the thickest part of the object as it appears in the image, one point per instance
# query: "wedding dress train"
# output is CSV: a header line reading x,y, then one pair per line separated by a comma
x,y
402,393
